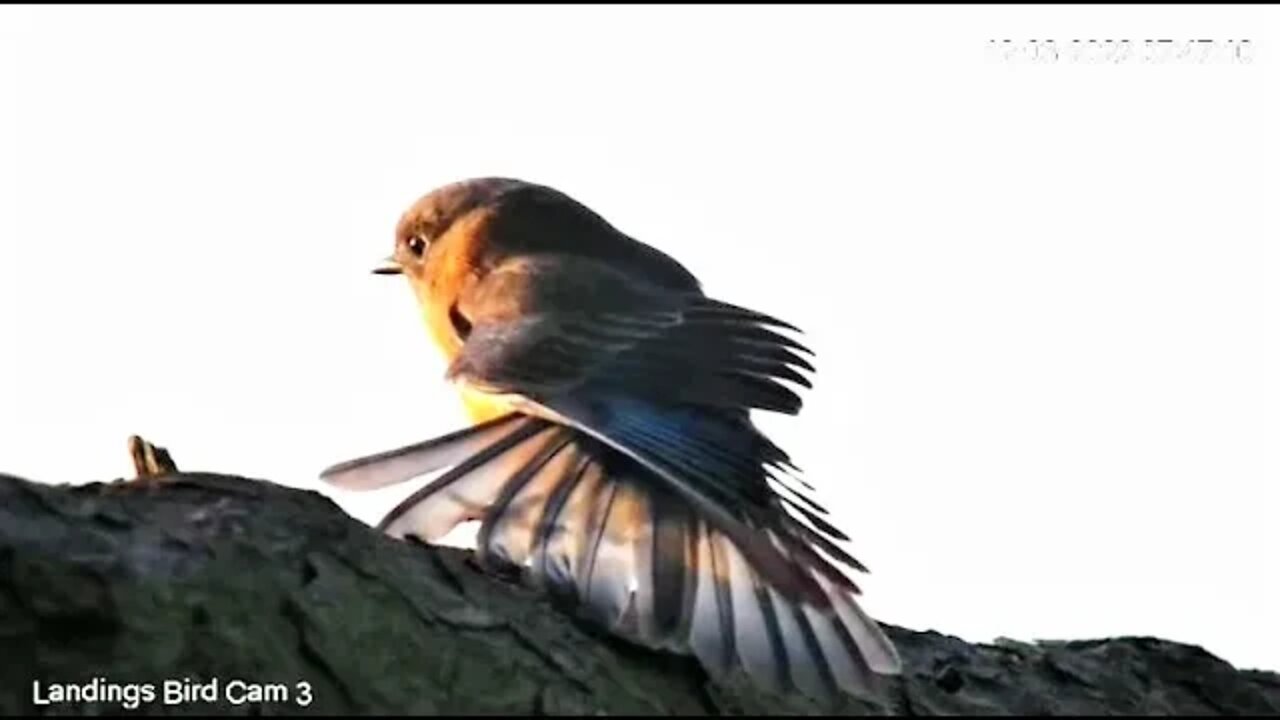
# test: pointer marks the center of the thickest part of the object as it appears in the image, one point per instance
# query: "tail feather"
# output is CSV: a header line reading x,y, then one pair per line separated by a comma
x,y
598,513
567,530
561,522
583,521
717,488
807,668
848,668
507,530
870,641
711,633
617,559
675,568
372,472
466,492
755,634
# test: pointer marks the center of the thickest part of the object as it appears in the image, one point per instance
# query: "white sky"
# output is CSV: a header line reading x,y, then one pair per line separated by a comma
x,y
1037,292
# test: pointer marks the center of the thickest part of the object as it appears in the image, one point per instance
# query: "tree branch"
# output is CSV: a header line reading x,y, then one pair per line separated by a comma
x,y
201,577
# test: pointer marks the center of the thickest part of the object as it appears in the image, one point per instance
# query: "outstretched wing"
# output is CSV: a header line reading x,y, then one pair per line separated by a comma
x,y
546,326
634,479
666,379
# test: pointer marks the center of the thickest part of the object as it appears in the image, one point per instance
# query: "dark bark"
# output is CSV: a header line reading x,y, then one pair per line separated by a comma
x,y
208,577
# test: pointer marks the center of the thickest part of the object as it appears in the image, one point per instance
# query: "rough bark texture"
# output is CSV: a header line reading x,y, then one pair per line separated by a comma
x,y
207,577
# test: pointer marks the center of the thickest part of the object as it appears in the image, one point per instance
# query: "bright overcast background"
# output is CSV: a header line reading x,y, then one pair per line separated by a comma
x,y
1042,295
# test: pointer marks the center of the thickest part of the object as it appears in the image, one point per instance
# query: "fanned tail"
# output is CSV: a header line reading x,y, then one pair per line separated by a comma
x,y
584,522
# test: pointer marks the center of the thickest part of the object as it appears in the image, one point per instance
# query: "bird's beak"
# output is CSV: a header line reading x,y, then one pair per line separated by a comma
x,y
389,266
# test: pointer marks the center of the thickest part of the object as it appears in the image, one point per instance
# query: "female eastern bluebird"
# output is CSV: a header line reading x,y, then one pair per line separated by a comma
x,y
612,460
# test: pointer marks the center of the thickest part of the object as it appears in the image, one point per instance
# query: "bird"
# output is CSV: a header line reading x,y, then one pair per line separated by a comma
x,y
610,457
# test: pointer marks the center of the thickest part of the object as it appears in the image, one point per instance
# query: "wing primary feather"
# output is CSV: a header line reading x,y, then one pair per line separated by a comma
x,y
720,307
774,351
788,472
708,345
837,553
793,496
766,394
817,522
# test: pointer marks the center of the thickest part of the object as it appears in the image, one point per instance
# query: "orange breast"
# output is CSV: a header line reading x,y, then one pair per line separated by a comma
x,y
481,407
451,275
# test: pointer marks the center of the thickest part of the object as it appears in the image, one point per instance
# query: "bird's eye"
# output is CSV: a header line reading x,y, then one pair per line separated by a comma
x,y
417,245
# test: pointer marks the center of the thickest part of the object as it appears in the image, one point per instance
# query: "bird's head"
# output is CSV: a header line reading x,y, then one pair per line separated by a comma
x,y
453,236
448,212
